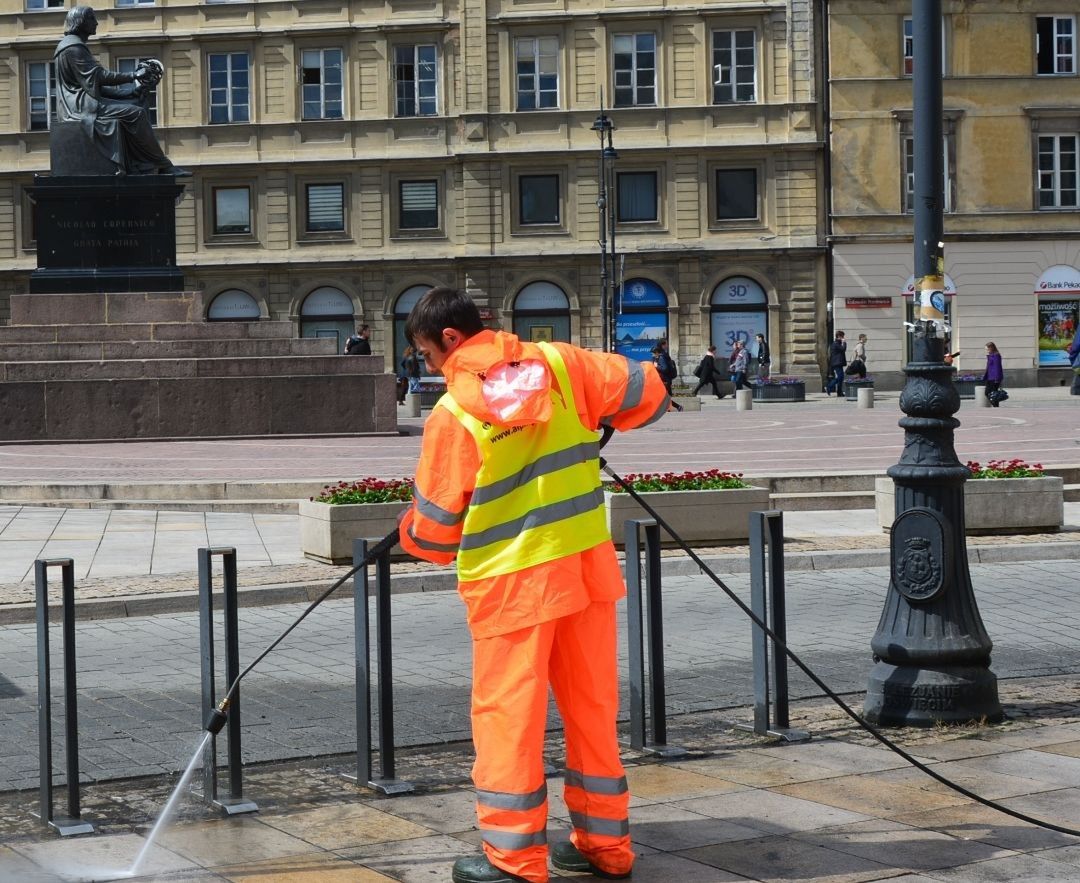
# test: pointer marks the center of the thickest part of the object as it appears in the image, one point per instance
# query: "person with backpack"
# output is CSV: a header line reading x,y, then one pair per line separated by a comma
x,y
706,373
358,344
666,368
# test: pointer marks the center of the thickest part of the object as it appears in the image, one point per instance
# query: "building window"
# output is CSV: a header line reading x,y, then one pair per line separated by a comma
x,y
909,48
121,3
328,312
739,311
321,78
233,305
325,208
415,81
232,210
419,202
230,95
41,94
736,194
734,55
537,72
634,64
909,175
44,4
128,66
1055,44
538,199
542,313
1057,171
637,197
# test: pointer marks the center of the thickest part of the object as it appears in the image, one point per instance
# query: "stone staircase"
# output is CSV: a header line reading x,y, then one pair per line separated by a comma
x,y
96,367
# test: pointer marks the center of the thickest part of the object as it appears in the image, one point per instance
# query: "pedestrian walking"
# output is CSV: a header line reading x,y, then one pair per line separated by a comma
x,y
837,361
359,344
764,358
1074,360
740,362
706,373
410,374
857,366
666,367
509,483
994,375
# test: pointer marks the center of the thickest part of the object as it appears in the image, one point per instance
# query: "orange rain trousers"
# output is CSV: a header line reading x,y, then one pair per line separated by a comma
x,y
576,654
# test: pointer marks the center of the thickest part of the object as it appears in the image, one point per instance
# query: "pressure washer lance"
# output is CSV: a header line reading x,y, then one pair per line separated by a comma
x,y
216,717
850,712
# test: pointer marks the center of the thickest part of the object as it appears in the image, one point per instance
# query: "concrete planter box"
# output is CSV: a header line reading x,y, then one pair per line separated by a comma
x,y
327,531
966,388
852,387
780,392
688,402
995,505
700,517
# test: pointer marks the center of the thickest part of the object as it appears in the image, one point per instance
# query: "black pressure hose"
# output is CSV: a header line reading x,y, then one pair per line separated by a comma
x,y
850,712
216,717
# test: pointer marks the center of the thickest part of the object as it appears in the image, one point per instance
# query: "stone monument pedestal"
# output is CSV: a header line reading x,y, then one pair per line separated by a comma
x,y
103,233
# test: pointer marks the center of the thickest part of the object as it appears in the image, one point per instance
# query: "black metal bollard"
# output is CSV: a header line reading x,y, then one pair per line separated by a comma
x,y
768,604
386,783
235,803
635,637
73,823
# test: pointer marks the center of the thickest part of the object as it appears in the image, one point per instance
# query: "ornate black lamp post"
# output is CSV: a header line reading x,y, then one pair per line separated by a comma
x,y
605,203
931,651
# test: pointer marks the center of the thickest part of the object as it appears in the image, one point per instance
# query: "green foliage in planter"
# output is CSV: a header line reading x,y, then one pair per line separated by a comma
x,y
367,490
1005,469
713,480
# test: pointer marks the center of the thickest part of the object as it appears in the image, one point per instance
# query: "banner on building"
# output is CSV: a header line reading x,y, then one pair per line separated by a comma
x,y
1057,324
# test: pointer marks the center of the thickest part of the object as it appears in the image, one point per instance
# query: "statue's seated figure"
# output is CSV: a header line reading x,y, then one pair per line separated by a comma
x,y
111,108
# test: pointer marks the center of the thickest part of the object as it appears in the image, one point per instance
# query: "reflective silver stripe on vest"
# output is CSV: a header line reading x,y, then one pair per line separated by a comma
x,y
508,800
635,388
541,466
429,546
595,784
596,825
512,840
538,517
436,513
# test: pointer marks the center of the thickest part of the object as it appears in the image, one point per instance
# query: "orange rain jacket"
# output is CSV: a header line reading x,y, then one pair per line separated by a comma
x,y
449,462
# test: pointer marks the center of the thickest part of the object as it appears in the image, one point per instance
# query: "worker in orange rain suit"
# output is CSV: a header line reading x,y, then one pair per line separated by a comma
x,y
509,483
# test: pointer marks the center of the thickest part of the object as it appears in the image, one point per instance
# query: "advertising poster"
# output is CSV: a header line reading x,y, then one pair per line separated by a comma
x,y
727,327
1057,324
637,333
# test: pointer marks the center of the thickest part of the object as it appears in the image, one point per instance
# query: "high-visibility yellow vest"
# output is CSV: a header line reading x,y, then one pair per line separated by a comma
x,y
538,495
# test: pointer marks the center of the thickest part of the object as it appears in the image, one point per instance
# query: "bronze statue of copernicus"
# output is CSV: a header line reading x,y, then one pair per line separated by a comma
x,y
112,107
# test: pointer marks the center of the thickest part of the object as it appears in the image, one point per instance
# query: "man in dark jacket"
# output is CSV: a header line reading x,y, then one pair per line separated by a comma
x,y
837,361
707,374
358,344
764,359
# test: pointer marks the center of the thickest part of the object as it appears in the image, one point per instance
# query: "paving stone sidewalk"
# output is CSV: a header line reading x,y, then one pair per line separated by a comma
x,y
838,809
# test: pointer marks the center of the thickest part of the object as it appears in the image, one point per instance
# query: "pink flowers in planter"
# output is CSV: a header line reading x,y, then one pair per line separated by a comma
x,y
367,490
1014,468
711,480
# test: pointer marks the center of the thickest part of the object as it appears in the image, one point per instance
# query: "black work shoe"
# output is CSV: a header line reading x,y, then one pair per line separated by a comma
x,y
567,857
479,869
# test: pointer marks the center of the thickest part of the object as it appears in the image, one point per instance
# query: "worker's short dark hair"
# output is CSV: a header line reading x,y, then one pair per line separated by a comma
x,y
442,308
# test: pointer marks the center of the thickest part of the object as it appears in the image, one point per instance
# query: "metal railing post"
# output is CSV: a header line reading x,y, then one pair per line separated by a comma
x,y
767,601
636,643
235,803
72,823
386,783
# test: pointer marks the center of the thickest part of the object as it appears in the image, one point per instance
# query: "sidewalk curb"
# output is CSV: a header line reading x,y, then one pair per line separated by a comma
x,y
445,580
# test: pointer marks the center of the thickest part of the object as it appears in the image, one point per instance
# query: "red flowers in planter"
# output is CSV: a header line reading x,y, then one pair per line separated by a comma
x,y
367,490
714,479
1014,468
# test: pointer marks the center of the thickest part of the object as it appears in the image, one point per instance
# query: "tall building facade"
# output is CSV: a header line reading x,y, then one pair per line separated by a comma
x,y
350,153
1012,201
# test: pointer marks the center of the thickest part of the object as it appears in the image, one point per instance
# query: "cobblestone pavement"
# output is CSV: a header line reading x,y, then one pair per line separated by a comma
x,y
138,677
1037,424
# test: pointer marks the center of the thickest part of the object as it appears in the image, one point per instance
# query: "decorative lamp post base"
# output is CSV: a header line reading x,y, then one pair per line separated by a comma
x,y
912,696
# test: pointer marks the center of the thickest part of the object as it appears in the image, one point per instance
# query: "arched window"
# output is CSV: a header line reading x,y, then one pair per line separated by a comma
x,y
542,312
641,319
328,312
402,307
233,305
740,311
